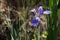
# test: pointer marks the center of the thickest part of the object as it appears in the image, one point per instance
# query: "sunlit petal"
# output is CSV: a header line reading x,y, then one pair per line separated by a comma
x,y
33,10
47,12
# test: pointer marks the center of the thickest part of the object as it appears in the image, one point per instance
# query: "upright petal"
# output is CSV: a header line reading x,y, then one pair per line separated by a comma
x,y
40,10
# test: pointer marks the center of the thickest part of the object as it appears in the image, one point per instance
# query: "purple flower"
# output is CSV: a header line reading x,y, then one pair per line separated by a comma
x,y
47,12
35,21
40,10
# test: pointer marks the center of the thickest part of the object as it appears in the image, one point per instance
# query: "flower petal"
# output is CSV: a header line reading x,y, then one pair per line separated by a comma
x,y
47,12
40,10
35,21
33,10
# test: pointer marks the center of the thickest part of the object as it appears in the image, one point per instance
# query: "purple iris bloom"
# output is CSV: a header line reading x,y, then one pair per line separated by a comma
x,y
35,21
40,10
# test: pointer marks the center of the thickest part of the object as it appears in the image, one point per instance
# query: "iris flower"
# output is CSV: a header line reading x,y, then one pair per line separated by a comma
x,y
36,20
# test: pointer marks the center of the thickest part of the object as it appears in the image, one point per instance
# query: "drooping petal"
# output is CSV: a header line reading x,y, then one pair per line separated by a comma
x,y
40,10
37,18
47,12
33,10
35,21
